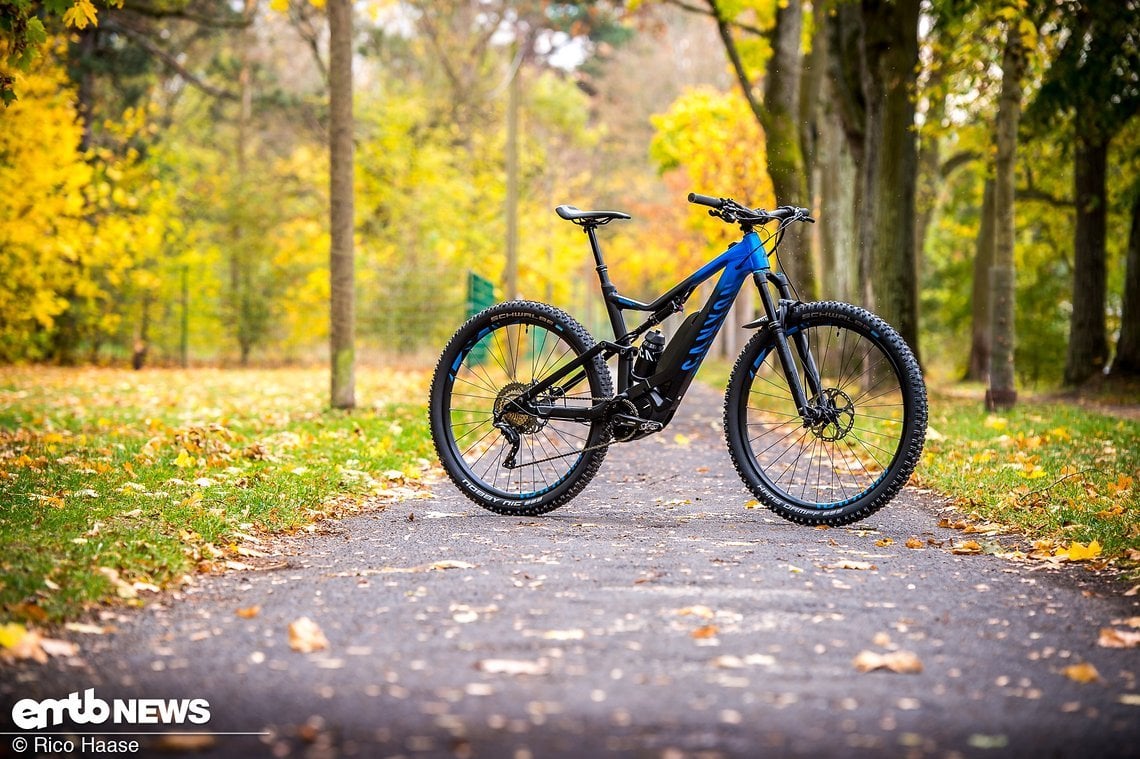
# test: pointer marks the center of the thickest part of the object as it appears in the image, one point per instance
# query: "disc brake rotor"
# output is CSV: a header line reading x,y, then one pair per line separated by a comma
x,y
836,415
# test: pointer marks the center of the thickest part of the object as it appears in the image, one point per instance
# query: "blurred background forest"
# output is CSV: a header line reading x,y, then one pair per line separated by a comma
x,y
164,169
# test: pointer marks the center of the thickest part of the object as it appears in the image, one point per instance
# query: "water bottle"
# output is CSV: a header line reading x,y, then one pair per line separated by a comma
x,y
650,353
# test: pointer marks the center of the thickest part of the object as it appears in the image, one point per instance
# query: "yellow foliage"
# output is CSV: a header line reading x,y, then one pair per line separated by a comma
x,y
42,182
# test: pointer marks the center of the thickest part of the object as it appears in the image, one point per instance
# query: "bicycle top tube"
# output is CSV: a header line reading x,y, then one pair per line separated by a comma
x,y
747,254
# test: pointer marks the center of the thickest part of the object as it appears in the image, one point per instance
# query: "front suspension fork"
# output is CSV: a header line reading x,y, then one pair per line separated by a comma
x,y
776,315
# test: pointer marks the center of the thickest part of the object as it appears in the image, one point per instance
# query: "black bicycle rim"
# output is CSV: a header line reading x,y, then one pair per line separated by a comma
x,y
492,368
839,459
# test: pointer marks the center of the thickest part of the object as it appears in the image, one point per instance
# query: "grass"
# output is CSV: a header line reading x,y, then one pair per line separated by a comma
x,y
114,481
1053,471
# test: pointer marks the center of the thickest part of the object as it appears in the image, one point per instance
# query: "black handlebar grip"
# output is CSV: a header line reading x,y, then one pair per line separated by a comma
x,y
705,200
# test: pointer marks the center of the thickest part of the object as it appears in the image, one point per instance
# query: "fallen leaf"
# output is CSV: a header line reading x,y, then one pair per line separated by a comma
x,y
564,634
1079,551
968,547
306,636
1081,673
703,612
18,643
513,667
1130,622
1129,699
122,588
728,661
884,542
978,740
56,647
184,742
1112,638
681,440
434,566
902,662
85,628
752,504
248,612
914,543
849,564
996,423
704,632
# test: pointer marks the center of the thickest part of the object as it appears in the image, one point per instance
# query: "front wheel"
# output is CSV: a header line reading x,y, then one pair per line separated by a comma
x,y
866,422
504,459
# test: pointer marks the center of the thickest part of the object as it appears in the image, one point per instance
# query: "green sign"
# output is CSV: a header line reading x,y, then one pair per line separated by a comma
x,y
480,295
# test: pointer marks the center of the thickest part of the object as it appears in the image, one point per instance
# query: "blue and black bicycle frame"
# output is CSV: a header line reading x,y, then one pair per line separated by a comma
x,y
657,397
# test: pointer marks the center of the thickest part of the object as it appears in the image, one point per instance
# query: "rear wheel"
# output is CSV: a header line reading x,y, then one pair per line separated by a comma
x,y
866,424
504,459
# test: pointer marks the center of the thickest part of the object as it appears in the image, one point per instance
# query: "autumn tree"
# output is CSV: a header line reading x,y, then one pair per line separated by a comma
x,y
778,31
1093,86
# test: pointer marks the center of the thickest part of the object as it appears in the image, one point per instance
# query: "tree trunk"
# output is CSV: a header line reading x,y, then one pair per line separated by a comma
x,y
511,274
782,132
845,62
838,179
981,344
342,298
1127,361
1001,392
778,115
240,263
1088,339
929,178
890,31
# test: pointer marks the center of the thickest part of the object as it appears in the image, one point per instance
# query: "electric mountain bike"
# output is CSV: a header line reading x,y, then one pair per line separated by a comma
x,y
824,414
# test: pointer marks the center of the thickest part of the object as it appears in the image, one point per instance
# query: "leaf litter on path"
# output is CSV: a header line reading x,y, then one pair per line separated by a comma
x,y
901,662
306,636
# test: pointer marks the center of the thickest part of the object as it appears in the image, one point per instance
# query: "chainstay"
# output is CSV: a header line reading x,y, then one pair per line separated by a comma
x,y
585,450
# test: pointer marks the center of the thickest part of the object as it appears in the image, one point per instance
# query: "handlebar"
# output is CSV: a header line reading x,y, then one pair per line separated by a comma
x,y
706,200
732,212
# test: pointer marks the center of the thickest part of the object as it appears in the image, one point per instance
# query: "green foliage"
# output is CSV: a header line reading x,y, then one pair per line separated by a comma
x,y
22,33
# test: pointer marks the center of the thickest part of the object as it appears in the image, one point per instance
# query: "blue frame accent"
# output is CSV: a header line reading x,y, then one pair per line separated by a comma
x,y
741,260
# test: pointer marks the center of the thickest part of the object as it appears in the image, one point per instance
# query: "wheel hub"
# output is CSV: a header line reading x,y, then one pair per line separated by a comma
x,y
835,415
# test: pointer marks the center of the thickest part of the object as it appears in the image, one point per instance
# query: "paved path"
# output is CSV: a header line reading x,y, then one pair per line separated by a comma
x,y
653,616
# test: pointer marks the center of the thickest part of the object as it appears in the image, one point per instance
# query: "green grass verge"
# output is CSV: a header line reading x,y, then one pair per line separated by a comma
x,y
111,481
1053,471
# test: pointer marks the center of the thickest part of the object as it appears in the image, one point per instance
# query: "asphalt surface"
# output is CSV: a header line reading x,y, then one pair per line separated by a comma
x,y
653,616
